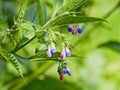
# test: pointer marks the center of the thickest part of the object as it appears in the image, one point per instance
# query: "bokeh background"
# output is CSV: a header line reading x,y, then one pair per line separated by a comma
x,y
97,68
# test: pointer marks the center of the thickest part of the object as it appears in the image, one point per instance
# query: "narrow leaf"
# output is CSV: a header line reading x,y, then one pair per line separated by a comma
x,y
40,12
65,20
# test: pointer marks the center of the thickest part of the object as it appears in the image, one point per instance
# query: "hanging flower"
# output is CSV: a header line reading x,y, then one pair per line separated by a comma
x,y
63,54
65,71
53,48
48,52
67,50
74,31
79,29
70,28
69,72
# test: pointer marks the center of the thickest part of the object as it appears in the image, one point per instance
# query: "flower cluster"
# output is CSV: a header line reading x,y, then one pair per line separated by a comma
x,y
65,52
74,30
62,70
51,50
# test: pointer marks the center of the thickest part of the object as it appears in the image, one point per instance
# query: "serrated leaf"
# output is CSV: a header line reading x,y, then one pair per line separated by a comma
x,y
113,44
65,20
71,6
12,59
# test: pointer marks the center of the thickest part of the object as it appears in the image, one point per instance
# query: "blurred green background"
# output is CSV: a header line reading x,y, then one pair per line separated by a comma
x,y
99,48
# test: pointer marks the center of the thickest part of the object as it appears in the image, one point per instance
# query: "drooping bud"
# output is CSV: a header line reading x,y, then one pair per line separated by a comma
x,y
53,48
70,28
61,76
67,50
74,31
79,29
65,71
69,72
48,52
63,54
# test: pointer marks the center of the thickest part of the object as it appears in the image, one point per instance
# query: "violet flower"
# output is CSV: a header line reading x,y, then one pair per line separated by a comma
x,y
68,53
48,52
53,48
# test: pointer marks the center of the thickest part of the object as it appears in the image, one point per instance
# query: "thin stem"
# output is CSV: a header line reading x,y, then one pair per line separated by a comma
x,y
111,11
17,49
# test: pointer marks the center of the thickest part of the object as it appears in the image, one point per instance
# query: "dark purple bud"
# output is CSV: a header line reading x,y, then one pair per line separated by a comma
x,y
61,76
53,48
70,28
48,52
79,29
74,31
68,53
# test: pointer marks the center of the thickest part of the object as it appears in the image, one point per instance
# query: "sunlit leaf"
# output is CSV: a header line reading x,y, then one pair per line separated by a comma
x,y
71,6
65,20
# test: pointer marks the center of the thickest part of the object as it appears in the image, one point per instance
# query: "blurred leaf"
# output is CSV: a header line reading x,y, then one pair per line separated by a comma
x,y
40,12
65,20
71,6
52,84
113,44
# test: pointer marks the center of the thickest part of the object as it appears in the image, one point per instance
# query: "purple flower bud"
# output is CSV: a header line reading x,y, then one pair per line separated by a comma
x,y
79,29
69,72
53,48
68,53
63,54
74,31
61,76
65,71
70,28
48,52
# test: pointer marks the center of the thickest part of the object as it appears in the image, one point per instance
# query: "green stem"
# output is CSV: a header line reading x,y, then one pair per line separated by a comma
x,y
113,10
17,49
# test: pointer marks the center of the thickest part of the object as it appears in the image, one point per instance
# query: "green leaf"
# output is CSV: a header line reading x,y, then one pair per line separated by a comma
x,y
31,14
22,10
65,20
71,6
57,5
113,45
40,12
34,14
12,59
